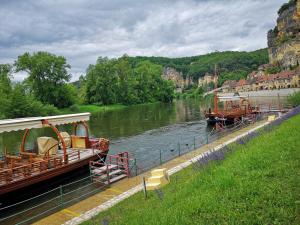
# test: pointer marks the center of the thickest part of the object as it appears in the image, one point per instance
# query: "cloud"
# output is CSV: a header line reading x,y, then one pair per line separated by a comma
x,y
84,30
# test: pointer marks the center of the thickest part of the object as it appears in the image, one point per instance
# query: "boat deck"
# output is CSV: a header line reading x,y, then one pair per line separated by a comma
x,y
16,168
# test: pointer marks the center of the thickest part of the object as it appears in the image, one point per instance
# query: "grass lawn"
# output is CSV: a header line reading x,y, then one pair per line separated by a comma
x,y
91,108
257,183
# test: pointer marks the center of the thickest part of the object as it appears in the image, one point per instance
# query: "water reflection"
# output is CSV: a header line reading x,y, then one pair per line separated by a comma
x,y
117,124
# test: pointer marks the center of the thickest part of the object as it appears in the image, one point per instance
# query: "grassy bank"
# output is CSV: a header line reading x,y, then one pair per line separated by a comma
x,y
91,108
96,108
257,183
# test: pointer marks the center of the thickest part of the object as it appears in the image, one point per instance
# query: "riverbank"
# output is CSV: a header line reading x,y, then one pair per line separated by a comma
x,y
257,183
80,108
82,210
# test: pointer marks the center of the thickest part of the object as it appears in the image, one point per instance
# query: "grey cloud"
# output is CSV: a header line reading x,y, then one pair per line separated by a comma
x,y
83,30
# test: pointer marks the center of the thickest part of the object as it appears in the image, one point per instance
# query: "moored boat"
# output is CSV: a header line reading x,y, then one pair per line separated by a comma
x,y
235,108
52,157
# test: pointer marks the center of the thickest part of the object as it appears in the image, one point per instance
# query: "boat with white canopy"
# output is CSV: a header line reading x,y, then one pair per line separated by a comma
x,y
52,156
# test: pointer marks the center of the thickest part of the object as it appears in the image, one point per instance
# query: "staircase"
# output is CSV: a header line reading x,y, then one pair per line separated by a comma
x,y
159,178
114,169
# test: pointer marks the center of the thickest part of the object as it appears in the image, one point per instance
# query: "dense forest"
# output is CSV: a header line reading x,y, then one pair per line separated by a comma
x,y
230,64
112,81
125,80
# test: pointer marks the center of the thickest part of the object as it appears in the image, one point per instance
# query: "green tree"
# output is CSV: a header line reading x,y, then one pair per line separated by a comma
x,y
126,82
47,78
101,80
5,87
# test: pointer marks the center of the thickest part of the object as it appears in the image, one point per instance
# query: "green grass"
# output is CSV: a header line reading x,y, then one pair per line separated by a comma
x,y
91,108
257,183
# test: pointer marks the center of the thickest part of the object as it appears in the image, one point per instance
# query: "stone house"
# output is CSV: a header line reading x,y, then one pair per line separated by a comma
x,y
207,79
295,82
283,79
239,85
247,86
229,86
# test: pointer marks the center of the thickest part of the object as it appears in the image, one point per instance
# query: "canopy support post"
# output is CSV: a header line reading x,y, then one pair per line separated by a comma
x,y
22,148
46,122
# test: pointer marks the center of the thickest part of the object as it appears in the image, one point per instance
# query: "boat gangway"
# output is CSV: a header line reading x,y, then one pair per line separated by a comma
x,y
113,169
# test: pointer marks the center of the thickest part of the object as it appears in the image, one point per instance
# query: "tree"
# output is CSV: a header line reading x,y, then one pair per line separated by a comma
x,y
5,87
101,82
47,78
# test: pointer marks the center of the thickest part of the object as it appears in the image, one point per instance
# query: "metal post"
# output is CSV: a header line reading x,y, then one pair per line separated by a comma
x,y
135,167
61,194
144,188
194,142
178,148
206,138
160,160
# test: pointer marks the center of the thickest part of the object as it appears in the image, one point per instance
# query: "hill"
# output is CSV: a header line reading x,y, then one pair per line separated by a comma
x,y
197,66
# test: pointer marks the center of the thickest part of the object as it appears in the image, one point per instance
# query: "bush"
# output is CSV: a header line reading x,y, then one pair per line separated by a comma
x,y
294,99
74,108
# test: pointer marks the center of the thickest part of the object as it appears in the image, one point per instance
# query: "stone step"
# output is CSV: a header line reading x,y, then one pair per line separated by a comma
x,y
152,186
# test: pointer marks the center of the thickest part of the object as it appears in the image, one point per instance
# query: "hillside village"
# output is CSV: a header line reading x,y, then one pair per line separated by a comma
x,y
284,53
282,71
257,80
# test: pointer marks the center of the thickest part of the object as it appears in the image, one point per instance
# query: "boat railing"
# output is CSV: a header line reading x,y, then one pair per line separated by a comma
x,y
19,171
74,155
121,160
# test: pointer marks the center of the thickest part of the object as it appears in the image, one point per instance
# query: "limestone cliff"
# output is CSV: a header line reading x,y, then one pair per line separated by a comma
x,y
284,39
170,73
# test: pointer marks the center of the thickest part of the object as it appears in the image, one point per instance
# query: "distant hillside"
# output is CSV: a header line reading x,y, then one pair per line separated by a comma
x,y
197,66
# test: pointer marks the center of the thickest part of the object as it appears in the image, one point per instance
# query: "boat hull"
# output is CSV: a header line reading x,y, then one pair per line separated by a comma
x,y
51,173
212,120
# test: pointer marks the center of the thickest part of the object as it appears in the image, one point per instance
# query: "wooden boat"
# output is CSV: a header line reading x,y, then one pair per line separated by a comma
x,y
53,157
235,109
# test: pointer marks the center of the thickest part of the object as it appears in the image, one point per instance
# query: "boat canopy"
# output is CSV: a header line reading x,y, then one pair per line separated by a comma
x,y
8,125
231,98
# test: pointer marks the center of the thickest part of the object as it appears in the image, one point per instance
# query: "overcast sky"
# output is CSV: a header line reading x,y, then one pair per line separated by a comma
x,y
83,30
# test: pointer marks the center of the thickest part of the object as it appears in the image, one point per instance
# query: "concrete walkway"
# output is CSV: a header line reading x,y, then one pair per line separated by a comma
x,y
117,192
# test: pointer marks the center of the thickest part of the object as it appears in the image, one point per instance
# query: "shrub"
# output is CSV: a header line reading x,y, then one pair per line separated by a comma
x,y
294,99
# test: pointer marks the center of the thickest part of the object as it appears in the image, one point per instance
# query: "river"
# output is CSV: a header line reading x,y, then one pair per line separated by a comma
x,y
150,133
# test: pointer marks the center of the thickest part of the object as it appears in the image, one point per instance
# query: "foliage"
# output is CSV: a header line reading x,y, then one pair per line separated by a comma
x,y
197,66
195,92
273,70
5,87
286,6
21,104
294,99
47,76
16,101
235,75
112,81
256,183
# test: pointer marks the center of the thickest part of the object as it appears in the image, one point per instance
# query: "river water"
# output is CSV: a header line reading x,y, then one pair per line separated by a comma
x,y
150,133
142,130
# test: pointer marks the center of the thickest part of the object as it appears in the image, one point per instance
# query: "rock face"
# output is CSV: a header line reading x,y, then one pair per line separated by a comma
x,y
170,73
284,39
